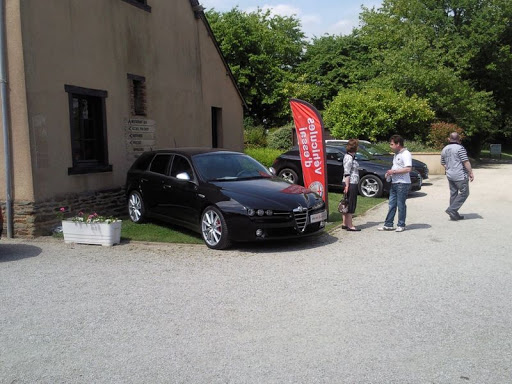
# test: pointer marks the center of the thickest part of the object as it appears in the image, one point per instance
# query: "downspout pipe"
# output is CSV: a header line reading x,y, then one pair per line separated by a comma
x,y
4,95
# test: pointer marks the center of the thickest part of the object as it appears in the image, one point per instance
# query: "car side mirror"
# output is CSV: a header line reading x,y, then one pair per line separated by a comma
x,y
183,176
272,171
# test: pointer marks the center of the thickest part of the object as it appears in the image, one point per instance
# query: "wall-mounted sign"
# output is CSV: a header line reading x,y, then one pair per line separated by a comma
x,y
139,136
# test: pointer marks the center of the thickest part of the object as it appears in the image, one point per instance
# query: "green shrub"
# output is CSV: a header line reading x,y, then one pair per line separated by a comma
x,y
439,132
265,156
377,114
281,138
255,137
411,145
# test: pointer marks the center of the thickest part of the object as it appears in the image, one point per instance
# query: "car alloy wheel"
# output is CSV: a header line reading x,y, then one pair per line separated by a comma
x,y
214,229
290,175
136,207
371,186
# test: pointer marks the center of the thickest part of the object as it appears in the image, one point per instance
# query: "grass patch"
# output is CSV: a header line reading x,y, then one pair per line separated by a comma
x,y
363,205
486,154
158,231
265,156
167,233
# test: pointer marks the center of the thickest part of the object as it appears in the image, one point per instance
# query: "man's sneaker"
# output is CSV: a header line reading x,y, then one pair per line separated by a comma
x,y
384,228
400,229
460,217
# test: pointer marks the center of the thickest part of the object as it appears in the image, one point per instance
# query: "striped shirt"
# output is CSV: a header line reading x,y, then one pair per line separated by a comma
x,y
453,157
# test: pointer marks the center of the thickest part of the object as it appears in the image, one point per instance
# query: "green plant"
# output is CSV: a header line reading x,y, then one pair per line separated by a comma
x,y
265,156
439,132
88,218
255,137
377,113
281,138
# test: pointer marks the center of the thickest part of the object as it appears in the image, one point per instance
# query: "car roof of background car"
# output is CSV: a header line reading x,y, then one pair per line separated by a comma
x,y
336,141
192,151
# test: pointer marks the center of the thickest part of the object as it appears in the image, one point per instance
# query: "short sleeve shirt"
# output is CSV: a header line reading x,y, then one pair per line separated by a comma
x,y
453,157
401,160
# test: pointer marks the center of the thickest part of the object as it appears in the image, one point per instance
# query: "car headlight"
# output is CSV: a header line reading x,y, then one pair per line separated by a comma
x,y
259,212
318,205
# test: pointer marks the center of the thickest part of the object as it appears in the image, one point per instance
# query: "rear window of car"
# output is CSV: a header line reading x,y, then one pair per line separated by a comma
x,y
142,162
160,164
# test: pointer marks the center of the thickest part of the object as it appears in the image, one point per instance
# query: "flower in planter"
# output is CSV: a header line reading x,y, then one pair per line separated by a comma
x,y
90,218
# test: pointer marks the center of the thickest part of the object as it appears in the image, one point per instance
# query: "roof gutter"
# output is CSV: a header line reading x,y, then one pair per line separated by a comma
x,y
4,95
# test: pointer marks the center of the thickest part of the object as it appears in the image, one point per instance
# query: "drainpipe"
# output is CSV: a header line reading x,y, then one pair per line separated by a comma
x,y
5,121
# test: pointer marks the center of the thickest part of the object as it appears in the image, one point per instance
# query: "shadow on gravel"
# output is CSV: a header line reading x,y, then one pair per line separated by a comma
x,y
298,244
471,216
14,252
373,225
414,195
412,227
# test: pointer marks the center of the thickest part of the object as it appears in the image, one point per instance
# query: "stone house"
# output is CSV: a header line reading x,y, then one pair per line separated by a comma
x,y
90,85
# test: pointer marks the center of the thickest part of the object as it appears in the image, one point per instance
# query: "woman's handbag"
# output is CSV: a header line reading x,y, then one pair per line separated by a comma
x,y
343,205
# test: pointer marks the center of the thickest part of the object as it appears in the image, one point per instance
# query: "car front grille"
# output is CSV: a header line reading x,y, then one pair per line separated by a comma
x,y
301,217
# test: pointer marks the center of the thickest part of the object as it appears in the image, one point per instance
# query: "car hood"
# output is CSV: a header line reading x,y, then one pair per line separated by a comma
x,y
268,193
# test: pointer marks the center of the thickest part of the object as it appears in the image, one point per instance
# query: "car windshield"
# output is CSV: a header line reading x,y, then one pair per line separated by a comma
x,y
372,149
225,166
360,155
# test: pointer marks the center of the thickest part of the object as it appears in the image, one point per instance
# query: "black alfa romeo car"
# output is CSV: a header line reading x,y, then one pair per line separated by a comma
x,y
225,196
372,180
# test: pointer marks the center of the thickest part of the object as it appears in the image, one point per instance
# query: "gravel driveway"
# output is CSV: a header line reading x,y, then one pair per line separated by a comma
x,y
429,305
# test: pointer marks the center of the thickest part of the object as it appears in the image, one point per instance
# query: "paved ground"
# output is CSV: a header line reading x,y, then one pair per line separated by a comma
x,y
429,305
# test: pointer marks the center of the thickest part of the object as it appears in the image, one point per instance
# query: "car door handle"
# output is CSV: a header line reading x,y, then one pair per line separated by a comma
x,y
167,186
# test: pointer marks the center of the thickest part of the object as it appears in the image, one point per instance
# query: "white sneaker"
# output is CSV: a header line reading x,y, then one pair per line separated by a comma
x,y
400,229
384,228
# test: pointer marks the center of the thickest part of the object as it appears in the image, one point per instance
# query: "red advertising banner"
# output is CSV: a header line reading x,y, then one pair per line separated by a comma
x,y
310,131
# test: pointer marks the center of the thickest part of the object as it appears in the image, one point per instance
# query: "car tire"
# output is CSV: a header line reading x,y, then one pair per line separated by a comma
x,y
136,209
289,174
371,186
214,229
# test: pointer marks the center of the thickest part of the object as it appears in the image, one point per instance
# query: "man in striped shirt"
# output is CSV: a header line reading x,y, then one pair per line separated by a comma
x,y
455,160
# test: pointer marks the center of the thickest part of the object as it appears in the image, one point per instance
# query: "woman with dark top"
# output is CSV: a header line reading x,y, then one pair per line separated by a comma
x,y
351,179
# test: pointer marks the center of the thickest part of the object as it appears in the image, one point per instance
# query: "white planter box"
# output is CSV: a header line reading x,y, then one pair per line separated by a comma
x,y
94,233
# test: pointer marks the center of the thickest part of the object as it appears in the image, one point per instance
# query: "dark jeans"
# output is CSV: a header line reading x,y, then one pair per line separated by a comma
x,y
397,196
459,192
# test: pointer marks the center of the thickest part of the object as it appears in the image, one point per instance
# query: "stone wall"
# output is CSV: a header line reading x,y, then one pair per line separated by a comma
x,y
433,161
40,218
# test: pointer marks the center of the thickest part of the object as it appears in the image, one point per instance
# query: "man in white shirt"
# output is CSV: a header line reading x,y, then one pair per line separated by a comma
x,y
400,184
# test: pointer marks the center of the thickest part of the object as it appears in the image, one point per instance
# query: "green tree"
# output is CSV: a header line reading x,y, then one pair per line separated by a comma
x,y
262,51
376,114
432,49
330,64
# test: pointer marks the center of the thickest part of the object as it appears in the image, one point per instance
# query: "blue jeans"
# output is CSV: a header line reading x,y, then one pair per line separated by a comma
x,y
397,196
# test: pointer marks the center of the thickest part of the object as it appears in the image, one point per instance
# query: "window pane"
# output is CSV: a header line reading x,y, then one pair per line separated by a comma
x,y
180,165
160,164
87,130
